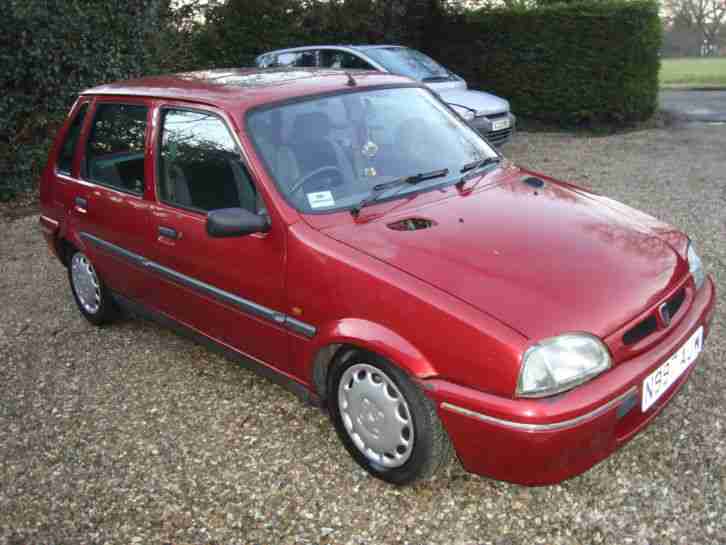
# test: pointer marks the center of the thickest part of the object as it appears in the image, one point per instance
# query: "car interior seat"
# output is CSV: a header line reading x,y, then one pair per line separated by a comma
x,y
313,148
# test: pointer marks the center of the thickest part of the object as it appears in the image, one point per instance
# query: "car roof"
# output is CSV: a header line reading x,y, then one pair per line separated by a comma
x,y
358,47
378,46
245,87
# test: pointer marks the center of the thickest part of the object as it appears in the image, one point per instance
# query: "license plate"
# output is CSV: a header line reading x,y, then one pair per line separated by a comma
x,y
500,124
662,378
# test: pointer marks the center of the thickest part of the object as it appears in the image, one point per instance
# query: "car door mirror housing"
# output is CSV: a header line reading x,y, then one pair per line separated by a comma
x,y
235,222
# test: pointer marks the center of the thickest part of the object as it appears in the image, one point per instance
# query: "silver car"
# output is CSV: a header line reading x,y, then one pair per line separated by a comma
x,y
487,113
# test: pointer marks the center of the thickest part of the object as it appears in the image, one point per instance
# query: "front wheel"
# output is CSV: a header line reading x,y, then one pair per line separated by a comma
x,y
384,420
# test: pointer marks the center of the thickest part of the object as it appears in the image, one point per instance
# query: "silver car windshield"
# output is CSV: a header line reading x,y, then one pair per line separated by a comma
x,y
408,62
328,153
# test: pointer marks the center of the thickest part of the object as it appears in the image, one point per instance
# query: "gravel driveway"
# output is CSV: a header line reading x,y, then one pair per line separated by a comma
x,y
131,434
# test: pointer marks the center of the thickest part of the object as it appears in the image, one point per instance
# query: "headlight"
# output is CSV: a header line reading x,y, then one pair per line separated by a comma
x,y
696,266
467,114
560,363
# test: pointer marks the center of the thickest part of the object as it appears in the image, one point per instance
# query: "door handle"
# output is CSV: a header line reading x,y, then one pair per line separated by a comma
x,y
81,205
168,232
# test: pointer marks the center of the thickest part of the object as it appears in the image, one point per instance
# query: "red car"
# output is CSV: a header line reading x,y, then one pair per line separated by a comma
x,y
351,237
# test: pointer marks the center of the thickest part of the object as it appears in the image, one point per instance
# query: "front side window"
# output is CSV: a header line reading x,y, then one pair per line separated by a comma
x,y
200,165
115,149
328,153
331,58
68,149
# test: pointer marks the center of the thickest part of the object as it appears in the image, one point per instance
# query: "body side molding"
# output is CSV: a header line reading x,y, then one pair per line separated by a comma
x,y
245,305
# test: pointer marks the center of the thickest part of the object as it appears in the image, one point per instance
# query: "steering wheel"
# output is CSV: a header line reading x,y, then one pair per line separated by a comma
x,y
302,180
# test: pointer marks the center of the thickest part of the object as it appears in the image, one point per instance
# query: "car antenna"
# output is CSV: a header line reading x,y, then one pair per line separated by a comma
x,y
351,81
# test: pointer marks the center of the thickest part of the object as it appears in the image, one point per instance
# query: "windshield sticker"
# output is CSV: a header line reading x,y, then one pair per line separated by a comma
x,y
321,199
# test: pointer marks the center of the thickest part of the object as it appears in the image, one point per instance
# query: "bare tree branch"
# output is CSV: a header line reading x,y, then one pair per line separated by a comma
x,y
708,17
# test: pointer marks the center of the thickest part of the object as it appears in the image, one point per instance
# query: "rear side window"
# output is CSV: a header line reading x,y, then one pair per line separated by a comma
x,y
265,61
68,149
301,59
115,149
200,165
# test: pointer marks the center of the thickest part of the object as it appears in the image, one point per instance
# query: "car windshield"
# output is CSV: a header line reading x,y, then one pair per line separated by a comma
x,y
329,153
408,62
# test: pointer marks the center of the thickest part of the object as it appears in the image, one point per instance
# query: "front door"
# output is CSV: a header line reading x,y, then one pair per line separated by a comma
x,y
230,289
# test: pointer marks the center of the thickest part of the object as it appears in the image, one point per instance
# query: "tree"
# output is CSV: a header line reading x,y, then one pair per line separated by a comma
x,y
707,17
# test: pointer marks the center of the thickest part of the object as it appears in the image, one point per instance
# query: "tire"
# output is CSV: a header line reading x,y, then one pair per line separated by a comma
x,y
384,420
90,293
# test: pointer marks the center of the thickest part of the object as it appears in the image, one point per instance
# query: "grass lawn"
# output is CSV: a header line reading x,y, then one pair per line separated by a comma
x,y
706,72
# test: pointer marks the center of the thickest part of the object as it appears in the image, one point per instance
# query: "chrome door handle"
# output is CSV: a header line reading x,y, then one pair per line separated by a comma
x,y
168,232
81,205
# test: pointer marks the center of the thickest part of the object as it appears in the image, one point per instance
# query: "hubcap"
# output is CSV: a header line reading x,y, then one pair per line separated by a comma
x,y
85,283
375,415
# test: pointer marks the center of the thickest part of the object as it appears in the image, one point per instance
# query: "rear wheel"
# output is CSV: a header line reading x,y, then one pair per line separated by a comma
x,y
91,295
384,419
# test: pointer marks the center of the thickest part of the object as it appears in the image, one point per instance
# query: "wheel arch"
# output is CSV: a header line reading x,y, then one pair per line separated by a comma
x,y
65,249
67,242
361,334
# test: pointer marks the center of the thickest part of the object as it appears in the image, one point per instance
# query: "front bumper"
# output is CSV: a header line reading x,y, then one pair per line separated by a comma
x,y
485,125
544,441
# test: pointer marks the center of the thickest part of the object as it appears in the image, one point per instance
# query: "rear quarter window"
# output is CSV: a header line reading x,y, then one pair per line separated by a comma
x,y
68,148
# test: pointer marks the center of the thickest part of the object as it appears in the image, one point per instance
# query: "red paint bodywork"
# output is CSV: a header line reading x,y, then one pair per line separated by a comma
x,y
455,305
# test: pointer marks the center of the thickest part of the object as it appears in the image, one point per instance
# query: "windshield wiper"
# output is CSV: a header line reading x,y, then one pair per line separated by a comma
x,y
470,168
479,163
402,181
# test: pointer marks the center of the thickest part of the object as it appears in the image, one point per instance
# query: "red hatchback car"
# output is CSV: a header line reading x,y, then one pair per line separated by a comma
x,y
348,235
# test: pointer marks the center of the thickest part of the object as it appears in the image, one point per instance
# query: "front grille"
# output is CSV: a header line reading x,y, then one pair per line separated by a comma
x,y
479,123
497,137
497,116
648,326
674,303
641,331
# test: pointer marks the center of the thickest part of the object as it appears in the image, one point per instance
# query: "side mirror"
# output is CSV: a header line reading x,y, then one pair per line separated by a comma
x,y
235,222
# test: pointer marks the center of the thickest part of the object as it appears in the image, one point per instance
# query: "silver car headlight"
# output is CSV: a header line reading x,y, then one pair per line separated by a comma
x,y
466,113
695,265
559,363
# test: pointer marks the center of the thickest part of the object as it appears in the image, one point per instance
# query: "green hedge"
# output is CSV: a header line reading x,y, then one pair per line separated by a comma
x,y
50,51
571,63
566,63
236,31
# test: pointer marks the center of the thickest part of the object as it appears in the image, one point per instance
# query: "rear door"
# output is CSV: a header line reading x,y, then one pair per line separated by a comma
x,y
56,196
230,289
107,201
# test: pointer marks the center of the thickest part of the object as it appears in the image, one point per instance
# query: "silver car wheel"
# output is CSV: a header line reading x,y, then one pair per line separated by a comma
x,y
85,283
375,415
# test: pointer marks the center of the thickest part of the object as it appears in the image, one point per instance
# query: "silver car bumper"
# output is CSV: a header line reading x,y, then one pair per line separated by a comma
x,y
487,127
